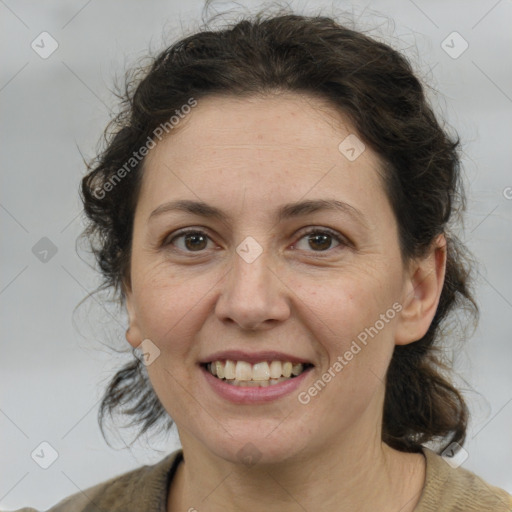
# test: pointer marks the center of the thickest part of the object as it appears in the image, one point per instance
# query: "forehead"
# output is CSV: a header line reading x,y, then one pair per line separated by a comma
x,y
278,148
273,122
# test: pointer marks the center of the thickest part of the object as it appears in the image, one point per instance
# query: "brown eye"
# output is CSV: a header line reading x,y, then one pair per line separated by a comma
x,y
193,241
320,240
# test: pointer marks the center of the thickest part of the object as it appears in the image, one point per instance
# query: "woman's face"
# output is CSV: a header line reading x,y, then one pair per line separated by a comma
x,y
257,285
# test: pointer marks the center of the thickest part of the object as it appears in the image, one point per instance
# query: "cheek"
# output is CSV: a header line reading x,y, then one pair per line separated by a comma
x,y
351,317
345,300
166,304
357,346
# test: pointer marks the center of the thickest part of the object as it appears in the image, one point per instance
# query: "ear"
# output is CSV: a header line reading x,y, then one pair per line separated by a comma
x,y
422,291
133,333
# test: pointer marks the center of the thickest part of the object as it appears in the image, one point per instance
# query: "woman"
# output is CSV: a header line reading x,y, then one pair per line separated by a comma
x,y
273,212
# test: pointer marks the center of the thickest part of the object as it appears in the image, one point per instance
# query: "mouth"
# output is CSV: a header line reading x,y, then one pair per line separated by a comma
x,y
260,374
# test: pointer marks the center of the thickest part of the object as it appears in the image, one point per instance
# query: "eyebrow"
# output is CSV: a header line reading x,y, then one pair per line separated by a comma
x,y
287,211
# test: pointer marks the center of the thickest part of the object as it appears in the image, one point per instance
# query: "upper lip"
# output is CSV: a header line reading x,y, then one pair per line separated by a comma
x,y
253,357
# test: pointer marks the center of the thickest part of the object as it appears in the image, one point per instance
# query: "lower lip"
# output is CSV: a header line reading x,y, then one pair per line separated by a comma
x,y
257,394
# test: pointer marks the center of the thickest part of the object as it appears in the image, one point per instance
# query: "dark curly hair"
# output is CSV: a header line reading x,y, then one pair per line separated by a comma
x,y
376,88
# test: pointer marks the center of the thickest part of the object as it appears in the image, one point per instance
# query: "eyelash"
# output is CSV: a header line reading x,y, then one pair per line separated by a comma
x,y
312,231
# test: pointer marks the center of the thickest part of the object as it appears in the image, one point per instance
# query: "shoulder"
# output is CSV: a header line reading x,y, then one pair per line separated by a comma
x,y
449,489
144,488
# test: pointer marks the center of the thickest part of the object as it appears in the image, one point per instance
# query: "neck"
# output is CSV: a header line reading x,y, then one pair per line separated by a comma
x,y
357,476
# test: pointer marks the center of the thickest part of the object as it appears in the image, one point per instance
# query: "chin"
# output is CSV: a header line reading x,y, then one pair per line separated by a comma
x,y
256,446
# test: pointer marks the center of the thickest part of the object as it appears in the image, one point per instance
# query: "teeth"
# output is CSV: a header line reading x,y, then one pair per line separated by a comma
x,y
260,371
229,369
297,369
276,369
242,373
255,383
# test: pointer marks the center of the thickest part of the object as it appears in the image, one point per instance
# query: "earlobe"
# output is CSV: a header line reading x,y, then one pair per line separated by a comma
x,y
422,294
133,333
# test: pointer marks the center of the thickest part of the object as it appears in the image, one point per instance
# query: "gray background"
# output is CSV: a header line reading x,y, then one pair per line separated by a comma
x,y
55,364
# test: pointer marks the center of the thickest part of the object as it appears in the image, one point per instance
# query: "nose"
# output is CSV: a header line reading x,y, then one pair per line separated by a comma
x,y
253,295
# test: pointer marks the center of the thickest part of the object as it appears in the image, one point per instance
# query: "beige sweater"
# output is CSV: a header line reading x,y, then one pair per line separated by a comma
x,y
145,490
